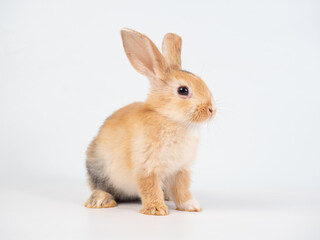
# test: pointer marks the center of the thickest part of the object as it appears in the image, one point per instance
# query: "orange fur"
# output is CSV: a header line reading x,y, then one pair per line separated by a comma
x,y
100,199
145,145
180,192
152,196
179,187
171,49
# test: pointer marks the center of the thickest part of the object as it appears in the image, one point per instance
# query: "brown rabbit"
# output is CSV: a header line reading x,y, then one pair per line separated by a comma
x,y
146,148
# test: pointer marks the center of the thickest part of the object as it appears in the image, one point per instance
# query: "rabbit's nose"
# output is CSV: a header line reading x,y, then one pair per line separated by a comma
x,y
212,111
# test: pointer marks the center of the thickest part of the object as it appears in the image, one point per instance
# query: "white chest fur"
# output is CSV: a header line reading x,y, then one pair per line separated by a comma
x,y
175,149
178,152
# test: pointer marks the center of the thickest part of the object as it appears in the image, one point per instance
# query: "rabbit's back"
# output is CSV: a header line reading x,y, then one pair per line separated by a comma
x,y
108,156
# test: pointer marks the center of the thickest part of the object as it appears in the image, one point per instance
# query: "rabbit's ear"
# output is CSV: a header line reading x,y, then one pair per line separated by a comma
x,y
144,56
171,49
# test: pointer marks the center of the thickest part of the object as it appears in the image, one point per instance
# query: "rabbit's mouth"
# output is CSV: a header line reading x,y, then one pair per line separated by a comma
x,y
203,112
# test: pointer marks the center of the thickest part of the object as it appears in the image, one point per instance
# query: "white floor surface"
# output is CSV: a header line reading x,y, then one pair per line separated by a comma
x,y
53,209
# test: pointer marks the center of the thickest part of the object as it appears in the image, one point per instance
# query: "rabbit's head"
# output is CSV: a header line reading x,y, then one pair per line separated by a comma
x,y
177,94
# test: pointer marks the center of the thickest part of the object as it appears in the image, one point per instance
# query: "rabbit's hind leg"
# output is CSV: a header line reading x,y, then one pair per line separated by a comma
x,y
100,199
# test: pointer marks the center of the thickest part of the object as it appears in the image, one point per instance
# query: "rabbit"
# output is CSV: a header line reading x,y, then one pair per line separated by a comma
x,y
145,149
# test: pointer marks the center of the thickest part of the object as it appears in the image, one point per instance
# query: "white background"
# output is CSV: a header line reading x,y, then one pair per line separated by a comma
x,y
63,71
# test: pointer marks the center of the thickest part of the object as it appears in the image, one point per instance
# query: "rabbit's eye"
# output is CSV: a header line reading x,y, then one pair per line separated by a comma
x,y
183,90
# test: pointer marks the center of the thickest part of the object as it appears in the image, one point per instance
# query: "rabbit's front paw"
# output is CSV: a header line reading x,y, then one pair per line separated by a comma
x,y
160,210
191,205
